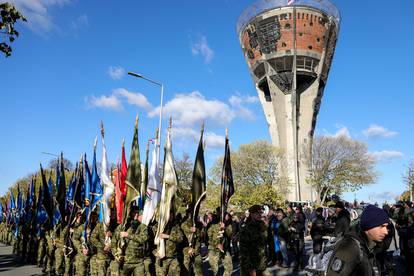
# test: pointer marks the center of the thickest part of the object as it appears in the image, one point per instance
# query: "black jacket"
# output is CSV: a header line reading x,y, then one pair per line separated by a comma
x,y
342,222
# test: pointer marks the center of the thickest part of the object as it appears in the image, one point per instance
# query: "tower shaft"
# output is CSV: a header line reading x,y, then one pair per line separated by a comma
x,y
289,50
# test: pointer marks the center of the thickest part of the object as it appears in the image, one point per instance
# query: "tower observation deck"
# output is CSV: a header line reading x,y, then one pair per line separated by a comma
x,y
289,46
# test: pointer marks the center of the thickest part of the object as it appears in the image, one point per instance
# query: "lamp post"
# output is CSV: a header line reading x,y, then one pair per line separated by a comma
x,y
160,122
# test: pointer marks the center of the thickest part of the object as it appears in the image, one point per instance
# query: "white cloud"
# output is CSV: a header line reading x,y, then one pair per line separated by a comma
x,y
387,195
341,131
213,140
38,14
116,72
193,108
387,156
377,131
242,99
192,135
238,103
106,102
188,111
80,22
136,99
202,48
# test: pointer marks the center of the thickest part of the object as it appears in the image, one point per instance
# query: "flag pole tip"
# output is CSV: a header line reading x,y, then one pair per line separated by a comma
x,y
102,129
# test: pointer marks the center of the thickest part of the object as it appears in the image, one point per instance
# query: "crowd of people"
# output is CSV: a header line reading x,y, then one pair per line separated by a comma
x,y
367,241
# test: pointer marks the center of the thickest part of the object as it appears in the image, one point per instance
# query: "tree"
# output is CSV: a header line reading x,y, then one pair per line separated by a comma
x,y
184,170
339,164
405,196
255,174
9,16
408,178
68,164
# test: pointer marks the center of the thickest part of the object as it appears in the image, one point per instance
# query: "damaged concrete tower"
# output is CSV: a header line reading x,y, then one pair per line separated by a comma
x,y
289,46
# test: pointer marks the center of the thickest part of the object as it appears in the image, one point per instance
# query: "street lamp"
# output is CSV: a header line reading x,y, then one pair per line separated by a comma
x,y
162,96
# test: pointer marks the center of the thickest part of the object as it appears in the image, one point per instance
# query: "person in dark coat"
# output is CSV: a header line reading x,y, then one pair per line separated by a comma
x,y
342,221
297,241
354,253
318,231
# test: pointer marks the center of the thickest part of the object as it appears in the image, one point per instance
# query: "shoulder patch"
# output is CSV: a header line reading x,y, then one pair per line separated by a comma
x,y
337,265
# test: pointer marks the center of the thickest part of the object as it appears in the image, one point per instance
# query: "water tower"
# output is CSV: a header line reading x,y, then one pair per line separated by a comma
x,y
289,46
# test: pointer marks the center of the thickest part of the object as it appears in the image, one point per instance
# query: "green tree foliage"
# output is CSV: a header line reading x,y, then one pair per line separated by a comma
x,y
339,164
256,179
184,169
405,196
9,16
408,178
68,164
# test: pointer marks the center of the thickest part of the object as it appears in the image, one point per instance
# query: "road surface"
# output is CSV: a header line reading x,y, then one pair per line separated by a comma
x,y
11,265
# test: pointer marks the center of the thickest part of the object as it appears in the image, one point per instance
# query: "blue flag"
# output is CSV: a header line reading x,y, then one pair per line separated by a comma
x,y
87,201
96,186
57,176
41,215
71,192
50,185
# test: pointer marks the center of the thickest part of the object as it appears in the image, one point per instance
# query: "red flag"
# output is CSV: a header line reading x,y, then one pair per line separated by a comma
x,y
122,186
120,190
118,194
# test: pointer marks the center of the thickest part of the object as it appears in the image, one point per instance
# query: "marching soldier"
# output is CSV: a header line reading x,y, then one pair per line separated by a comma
x,y
192,253
253,239
50,252
173,236
218,235
81,247
137,254
100,247
41,250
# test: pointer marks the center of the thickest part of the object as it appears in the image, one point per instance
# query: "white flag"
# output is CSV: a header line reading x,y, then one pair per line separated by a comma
x,y
291,2
108,188
153,192
169,187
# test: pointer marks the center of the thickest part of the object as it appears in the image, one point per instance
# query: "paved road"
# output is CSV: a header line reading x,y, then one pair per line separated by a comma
x,y
10,264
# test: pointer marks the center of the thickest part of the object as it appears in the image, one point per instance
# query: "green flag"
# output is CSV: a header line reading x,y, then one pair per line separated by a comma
x,y
199,179
133,178
144,183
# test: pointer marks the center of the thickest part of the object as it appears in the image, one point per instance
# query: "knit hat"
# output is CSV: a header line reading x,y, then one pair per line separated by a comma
x,y
255,209
340,205
373,216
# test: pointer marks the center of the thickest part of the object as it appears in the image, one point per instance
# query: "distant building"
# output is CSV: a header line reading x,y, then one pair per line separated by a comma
x,y
289,46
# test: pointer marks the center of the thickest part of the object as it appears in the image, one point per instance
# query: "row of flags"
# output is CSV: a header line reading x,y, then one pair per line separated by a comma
x,y
127,185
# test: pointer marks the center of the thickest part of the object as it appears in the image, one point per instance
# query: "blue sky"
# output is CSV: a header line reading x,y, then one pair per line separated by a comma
x,y
67,73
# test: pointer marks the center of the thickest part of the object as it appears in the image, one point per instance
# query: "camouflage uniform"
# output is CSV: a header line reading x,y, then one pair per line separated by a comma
x,y
137,255
100,259
197,261
253,239
215,255
114,267
170,265
81,262
50,252
58,235
41,248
